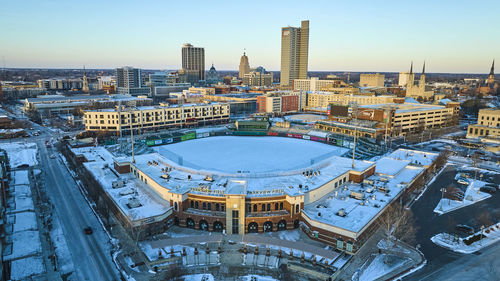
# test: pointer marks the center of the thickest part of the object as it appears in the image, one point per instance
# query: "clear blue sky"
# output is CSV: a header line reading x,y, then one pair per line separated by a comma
x,y
452,36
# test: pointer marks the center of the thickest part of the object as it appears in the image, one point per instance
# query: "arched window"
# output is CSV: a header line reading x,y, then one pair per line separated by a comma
x,y
209,206
297,208
276,206
268,207
216,206
192,204
281,206
175,206
204,206
263,207
255,207
196,205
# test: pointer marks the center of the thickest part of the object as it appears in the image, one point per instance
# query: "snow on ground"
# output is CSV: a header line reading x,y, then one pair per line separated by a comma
x,y
250,154
21,153
20,177
446,240
472,195
23,269
256,278
307,118
130,264
24,243
198,277
377,268
23,203
382,244
64,259
290,235
25,221
22,190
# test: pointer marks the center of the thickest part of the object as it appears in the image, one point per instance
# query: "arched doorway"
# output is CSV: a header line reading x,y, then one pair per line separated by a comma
x,y
190,223
282,225
203,225
253,227
296,224
218,226
268,226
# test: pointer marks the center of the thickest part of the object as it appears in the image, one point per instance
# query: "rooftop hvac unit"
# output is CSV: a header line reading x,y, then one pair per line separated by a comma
x,y
209,178
341,213
165,176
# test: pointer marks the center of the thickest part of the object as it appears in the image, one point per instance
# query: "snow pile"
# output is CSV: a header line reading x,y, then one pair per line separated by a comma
x,y
290,235
446,240
198,277
377,268
24,268
21,153
472,195
256,278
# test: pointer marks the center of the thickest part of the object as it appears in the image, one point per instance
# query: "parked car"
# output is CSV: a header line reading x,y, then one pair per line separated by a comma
x,y
52,156
88,230
465,229
488,189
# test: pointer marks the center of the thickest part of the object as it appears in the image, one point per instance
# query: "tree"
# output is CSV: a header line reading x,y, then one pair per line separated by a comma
x,y
484,218
397,223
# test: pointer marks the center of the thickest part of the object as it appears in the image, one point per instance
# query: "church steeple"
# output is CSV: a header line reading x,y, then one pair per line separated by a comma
x,y
421,82
492,71
85,83
491,77
411,67
423,69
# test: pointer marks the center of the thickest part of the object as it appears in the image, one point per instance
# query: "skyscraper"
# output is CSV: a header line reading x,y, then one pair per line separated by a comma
x,y
244,66
85,83
129,81
193,58
294,53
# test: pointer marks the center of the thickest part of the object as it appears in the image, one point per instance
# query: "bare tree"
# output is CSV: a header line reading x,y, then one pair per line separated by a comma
x,y
484,218
397,223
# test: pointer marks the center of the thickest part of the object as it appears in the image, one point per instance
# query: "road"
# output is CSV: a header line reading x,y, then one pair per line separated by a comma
x,y
90,253
430,224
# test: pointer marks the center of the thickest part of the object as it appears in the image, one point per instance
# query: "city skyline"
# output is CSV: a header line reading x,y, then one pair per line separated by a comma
x,y
366,37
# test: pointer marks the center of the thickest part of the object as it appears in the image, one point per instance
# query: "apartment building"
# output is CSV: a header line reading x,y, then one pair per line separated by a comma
x,y
294,53
155,117
488,125
320,100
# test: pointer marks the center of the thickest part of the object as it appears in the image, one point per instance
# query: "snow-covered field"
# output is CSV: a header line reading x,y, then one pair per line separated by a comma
x,y
472,195
377,268
249,154
199,277
446,240
21,153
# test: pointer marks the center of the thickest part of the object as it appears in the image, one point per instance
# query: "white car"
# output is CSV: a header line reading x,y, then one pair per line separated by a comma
x,y
53,156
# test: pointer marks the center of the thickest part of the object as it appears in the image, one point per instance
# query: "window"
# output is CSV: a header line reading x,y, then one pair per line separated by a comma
x,y
216,206
276,206
196,204
209,206
175,206
297,207
222,207
263,208
192,204
268,207
340,244
281,206
204,205
348,246
249,208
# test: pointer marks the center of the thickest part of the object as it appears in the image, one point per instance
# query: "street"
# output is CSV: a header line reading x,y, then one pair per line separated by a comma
x,y
430,224
90,253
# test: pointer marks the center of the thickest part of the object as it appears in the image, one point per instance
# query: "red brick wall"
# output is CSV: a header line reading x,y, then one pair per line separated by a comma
x,y
289,103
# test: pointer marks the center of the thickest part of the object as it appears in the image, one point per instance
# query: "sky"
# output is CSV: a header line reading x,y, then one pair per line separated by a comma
x,y
451,36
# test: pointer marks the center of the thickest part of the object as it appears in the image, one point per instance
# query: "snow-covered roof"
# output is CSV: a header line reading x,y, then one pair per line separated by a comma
x,y
24,243
25,221
415,157
25,269
389,166
359,213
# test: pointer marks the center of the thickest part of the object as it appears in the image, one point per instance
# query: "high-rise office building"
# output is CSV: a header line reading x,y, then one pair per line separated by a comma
x,y
193,58
129,81
294,53
244,66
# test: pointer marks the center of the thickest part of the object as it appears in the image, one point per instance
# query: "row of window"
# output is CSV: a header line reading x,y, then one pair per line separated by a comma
x,y
207,206
254,207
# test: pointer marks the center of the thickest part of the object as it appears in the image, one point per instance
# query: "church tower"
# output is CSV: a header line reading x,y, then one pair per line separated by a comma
x,y
85,84
491,77
244,66
421,82
411,77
